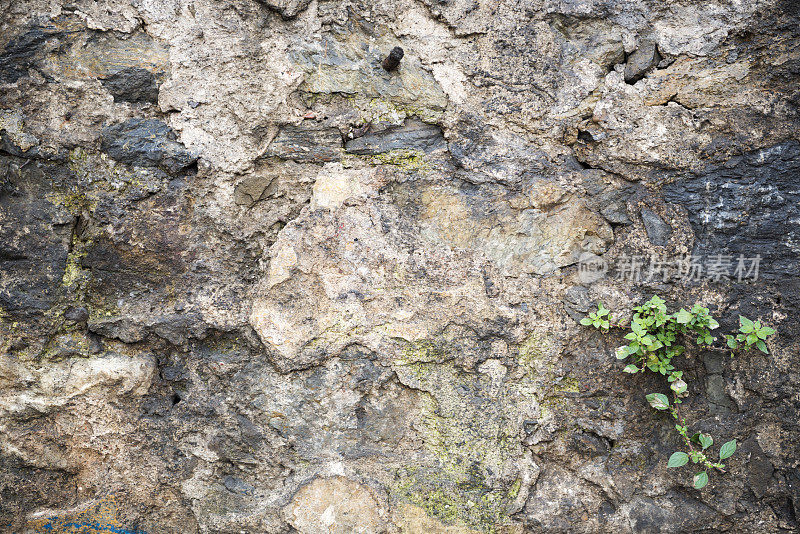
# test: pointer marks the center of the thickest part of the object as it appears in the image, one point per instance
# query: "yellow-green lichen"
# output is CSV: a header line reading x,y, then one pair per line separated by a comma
x,y
393,112
73,270
407,160
74,202
568,385
471,436
422,351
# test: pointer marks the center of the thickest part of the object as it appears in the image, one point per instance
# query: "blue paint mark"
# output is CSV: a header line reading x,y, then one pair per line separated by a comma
x,y
97,527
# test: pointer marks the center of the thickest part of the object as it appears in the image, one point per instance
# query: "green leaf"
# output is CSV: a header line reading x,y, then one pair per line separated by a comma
x,y
678,459
678,386
766,331
706,441
586,321
630,335
631,368
731,342
745,325
683,316
659,401
700,480
712,323
727,449
621,353
751,339
762,346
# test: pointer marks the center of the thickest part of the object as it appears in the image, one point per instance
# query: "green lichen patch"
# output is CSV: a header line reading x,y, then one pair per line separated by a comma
x,y
473,504
423,351
379,110
73,271
406,160
471,433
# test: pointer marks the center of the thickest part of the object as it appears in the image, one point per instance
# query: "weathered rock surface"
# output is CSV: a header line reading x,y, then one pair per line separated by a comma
x,y
251,281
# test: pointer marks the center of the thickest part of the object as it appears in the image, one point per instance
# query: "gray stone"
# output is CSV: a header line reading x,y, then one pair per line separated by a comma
x,y
616,213
237,485
759,469
578,297
307,144
658,231
296,338
412,135
641,61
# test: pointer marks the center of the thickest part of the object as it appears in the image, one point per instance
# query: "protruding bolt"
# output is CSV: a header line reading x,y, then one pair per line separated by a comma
x,y
392,61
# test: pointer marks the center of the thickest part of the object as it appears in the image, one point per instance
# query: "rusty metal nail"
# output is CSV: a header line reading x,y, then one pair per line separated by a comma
x,y
392,61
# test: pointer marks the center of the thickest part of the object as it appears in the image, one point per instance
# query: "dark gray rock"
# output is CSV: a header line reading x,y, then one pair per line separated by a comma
x,y
641,61
288,9
237,485
413,135
132,84
124,329
78,314
613,204
145,143
307,144
577,302
674,512
21,53
616,213
749,206
759,469
657,230
718,399
35,232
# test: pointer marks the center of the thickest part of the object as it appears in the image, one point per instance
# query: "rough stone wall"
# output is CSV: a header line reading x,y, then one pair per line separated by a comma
x,y
252,282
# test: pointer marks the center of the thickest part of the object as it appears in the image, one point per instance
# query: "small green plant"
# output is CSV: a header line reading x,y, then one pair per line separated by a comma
x,y
653,341
750,334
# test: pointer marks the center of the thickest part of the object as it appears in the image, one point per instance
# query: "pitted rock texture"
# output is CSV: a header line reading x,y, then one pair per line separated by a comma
x,y
251,281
